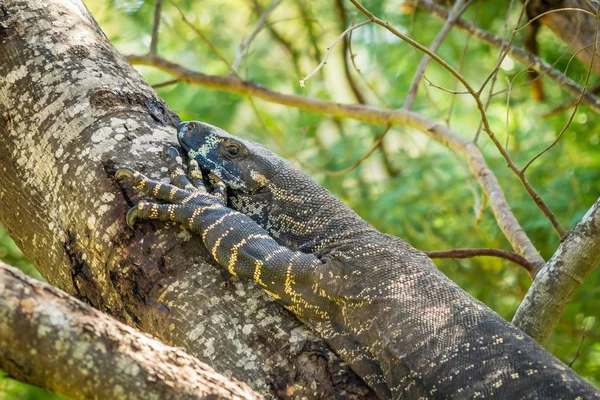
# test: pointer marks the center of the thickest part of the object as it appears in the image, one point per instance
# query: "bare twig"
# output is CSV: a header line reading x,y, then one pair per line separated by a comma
x,y
470,253
166,83
524,57
451,91
503,52
360,97
504,48
155,26
239,54
205,39
286,44
578,352
308,20
571,103
362,76
355,165
457,9
477,202
480,106
577,103
461,63
481,210
329,49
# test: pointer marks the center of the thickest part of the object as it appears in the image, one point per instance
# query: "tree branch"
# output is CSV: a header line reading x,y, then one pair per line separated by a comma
x,y
260,24
52,340
155,27
457,9
554,285
330,49
476,95
469,253
524,57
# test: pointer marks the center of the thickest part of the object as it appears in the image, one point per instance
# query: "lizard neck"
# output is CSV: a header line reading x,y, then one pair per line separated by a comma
x,y
302,215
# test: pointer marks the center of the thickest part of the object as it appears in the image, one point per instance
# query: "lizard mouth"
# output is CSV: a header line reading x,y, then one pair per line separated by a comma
x,y
208,167
181,137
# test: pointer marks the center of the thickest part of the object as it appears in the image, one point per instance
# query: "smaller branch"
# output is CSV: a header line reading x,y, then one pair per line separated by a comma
x,y
479,215
522,56
362,76
504,48
578,352
461,63
457,9
469,253
329,49
308,20
477,201
351,168
262,20
360,97
481,108
493,76
577,103
558,280
443,89
203,37
166,83
156,25
62,344
286,44
565,106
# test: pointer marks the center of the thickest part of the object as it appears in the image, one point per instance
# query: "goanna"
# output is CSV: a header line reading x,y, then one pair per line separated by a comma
x,y
382,305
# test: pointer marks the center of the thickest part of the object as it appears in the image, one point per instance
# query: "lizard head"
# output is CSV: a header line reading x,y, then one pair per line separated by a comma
x,y
282,199
244,167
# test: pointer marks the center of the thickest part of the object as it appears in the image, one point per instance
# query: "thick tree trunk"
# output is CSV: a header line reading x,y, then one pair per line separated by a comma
x,y
71,109
51,339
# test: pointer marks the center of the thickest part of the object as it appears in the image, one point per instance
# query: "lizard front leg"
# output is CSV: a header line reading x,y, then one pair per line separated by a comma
x,y
233,239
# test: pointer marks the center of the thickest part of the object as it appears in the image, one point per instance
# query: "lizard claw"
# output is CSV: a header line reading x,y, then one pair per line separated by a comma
x,y
125,172
132,215
172,152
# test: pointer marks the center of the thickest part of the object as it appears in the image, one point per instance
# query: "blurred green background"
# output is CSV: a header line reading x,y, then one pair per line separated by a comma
x,y
413,188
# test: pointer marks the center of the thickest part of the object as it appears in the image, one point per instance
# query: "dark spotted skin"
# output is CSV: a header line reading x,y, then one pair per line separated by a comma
x,y
382,305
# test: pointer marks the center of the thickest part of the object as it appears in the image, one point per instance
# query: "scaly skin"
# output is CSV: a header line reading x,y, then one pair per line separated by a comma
x,y
382,305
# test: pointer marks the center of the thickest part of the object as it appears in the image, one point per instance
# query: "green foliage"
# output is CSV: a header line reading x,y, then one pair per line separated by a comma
x,y
10,254
433,201
11,389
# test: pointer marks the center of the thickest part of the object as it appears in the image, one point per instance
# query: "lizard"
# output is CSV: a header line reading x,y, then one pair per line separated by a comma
x,y
382,305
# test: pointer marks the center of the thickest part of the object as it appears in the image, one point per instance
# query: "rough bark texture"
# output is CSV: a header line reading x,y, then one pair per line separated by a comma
x,y
71,109
559,279
53,340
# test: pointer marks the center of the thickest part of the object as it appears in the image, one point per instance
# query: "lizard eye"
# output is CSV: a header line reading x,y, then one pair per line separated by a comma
x,y
233,150
191,126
